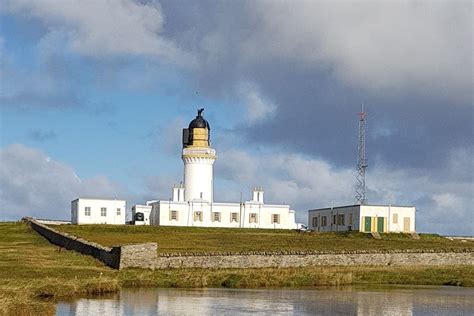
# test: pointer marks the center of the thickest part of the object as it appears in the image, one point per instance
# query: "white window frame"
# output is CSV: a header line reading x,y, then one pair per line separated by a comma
x,y
103,212
119,211
216,216
87,211
275,218
253,218
232,219
198,216
174,215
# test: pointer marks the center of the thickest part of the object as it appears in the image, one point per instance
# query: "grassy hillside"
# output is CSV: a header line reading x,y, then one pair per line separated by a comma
x,y
224,240
30,267
35,274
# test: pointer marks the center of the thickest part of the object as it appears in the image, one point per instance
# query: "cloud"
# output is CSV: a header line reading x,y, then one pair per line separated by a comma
x,y
256,106
103,28
444,206
33,184
378,46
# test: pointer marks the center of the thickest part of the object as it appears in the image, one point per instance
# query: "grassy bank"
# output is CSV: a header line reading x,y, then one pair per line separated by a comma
x,y
35,274
232,240
30,267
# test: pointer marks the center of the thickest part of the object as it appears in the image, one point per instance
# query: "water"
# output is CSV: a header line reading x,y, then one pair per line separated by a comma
x,y
321,301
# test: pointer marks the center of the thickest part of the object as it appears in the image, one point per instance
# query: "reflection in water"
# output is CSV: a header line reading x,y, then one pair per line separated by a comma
x,y
345,301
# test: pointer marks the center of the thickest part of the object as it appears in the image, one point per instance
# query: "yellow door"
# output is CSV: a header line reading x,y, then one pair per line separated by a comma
x,y
406,224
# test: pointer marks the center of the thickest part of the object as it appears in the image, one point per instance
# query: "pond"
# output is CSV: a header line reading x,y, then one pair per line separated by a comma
x,y
315,301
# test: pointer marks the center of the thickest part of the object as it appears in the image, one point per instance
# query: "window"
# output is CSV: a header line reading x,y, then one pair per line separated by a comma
x,y
324,221
275,218
315,221
216,217
234,217
334,220
395,218
87,211
119,211
103,211
173,215
340,220
198,216
350,219
253,218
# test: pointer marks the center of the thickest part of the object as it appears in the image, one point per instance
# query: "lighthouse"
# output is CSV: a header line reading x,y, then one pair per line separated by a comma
x,y
198,158
192,200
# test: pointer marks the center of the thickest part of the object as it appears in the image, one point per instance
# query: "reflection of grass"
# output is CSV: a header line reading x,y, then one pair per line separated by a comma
x,y
34,274
198,240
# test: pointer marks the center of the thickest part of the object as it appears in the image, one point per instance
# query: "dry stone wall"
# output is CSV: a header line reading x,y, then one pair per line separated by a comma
x,y
284,261
146,256
140,255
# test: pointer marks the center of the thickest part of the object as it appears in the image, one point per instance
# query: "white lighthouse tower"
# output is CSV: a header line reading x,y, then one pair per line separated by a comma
x,y
192,202
198,158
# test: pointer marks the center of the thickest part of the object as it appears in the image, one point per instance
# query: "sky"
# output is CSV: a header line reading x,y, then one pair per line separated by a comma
x,y
94,94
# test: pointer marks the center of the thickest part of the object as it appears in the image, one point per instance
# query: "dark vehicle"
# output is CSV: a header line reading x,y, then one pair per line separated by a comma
x,y
139,217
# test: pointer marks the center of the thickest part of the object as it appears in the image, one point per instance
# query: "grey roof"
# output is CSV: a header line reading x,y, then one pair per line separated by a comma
x,y
356,205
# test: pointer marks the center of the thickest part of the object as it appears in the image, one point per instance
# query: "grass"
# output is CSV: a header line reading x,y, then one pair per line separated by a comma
x,y
35,274
232,240
31,268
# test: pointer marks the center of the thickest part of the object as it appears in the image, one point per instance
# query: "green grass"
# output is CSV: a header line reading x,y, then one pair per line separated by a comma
x,y
34,274
31,268
232,240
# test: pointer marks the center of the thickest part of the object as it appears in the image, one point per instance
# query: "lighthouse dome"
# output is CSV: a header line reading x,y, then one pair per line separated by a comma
x,y
199,122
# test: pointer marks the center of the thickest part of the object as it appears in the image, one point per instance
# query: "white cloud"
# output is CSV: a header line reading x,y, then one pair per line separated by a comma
x,y
383,47
258,108
102,27
33,184
444,205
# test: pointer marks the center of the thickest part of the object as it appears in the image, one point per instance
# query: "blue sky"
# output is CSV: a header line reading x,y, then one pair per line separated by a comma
x,y
94,95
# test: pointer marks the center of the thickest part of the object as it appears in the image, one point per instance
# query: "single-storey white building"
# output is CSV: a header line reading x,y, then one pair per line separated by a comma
x,y
363,218
201,213
98,211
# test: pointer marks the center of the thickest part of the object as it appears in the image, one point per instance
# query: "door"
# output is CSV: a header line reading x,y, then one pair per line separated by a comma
x,y
406,224
368,224
380,224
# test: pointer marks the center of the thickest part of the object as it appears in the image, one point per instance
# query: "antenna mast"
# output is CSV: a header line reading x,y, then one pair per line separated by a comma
x,y
361,161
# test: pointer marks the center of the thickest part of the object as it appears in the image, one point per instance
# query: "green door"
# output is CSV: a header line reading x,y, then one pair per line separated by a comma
x,y
380,224
368,224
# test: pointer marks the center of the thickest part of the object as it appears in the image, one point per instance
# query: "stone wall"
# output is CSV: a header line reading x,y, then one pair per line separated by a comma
x,y
284,261
140,255
146,256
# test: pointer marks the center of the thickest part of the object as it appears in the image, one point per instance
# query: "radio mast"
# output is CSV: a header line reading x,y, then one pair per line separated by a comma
x,y
361,161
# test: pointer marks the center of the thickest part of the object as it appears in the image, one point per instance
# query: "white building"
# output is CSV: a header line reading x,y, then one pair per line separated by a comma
x,y
141,214
192,200
98,211
363,218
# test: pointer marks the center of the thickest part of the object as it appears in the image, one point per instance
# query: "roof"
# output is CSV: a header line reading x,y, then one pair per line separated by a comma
x,y
356,205
95,198
199,122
